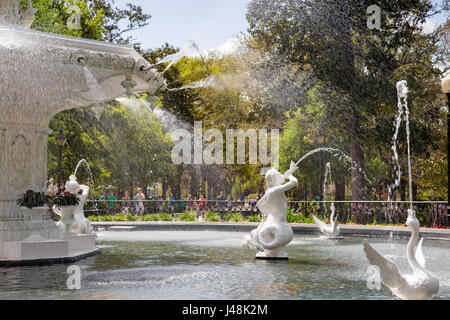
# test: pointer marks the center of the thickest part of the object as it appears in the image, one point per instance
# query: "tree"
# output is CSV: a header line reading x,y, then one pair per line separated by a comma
x,y
99,20
135,149
356,65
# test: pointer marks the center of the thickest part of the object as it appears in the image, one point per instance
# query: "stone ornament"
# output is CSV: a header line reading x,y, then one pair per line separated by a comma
x,y
274,234
331,230
421,284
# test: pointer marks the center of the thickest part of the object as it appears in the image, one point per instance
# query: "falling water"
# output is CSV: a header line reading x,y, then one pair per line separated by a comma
x,y
327,180
168,120
88,168
207,82
402,93
337,154
190,50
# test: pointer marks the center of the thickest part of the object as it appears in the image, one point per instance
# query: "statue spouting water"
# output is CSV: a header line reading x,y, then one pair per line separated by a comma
x,y
80,225
274,234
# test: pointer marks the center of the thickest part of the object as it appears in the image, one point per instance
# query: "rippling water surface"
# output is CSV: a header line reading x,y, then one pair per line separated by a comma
x,y
210,265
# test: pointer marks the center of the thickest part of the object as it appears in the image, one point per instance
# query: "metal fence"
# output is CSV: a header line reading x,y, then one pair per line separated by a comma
x,y
429,213
173,207
432,213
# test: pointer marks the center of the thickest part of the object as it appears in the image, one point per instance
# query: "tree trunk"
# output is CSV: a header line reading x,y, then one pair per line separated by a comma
x,y
176,185
300,192
340,191
194,182
414,191
164,189
402,189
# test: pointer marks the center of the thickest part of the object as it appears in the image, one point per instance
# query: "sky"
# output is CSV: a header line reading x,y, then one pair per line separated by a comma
x,y
211,24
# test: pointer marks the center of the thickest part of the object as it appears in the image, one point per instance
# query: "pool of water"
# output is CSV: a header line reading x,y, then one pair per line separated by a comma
x,y
211,265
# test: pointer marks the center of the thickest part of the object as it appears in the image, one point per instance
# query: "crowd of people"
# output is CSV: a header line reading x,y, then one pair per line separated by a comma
x,y
140,204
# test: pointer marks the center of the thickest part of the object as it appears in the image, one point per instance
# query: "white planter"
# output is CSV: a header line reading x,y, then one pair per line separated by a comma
x,y
68,217
33,223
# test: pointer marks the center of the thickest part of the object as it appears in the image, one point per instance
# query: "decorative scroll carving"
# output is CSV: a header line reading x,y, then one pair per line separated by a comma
x,y
20,163
41,164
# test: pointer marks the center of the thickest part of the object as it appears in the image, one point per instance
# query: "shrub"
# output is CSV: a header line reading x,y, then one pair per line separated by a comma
x,y
254,218
212,217
187,216
164,217
234,217
292,217
150,217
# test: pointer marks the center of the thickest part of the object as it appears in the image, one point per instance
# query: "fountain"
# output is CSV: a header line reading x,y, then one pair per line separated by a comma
x,y
274,234
41,75
78,224
331,231
421,284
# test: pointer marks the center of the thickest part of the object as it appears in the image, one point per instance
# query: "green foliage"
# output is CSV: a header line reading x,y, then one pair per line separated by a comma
x,y
156,217
99,20
355,70
32,199
234,217
187,216
53,16
131,217
94,218
212,217
292,217
64,200
254,218
165,217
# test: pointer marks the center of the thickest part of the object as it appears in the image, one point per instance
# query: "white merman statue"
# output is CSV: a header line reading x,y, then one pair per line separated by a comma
x,y
81,225
274,234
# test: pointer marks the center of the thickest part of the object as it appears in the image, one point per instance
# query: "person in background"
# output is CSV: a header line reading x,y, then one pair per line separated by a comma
x,y
111,198
140,197
252,202
160,204
135,205
171,204
195,203
220,201
189,203
182,204
126,202
202,205
229,203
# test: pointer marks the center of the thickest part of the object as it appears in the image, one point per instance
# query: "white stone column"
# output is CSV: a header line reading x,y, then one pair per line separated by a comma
x,y
23,166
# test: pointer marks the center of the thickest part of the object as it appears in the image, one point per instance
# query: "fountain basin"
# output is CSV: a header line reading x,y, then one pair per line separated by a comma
x,y
194,265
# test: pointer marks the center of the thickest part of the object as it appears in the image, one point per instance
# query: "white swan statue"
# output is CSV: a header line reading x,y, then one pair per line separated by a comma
x,y
421,285
332,230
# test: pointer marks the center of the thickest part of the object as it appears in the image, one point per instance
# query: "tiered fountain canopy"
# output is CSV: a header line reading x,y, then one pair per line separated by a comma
x,y
42,74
